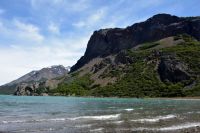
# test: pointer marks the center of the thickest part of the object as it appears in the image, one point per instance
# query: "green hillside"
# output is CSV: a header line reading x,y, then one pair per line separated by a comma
x,y
154,69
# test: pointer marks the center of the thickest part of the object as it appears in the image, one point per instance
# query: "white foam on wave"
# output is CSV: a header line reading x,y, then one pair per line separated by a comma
x,y
155,119
84,126
54,119
171,128
96,130
116,122
193,112
183,126
15,121
128,110
34,120
100,117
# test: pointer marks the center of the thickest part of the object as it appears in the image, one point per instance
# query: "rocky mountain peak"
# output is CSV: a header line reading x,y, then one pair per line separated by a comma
x,y
106,42
42,74
164,19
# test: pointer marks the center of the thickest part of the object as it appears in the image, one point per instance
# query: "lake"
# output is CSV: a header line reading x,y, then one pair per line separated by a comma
x,y
24,114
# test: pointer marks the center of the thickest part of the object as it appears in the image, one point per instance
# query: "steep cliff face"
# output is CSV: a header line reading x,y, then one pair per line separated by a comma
x,y
110,41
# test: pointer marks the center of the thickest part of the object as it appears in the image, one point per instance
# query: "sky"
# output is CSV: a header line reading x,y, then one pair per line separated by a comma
x,y
41,33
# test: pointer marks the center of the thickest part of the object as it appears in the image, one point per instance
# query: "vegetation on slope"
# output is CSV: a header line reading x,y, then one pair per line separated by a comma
x,y
4,90
139,76
142,79
78,86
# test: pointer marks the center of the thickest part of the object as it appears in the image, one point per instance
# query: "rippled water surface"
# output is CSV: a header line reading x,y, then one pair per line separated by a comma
x,y
74,115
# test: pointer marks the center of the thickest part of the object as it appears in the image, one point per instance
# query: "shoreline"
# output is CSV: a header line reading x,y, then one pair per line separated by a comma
x,y
161,98
178,98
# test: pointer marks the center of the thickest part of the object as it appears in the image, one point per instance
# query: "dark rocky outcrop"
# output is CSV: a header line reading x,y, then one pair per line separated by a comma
x,y
27,89
101,65
110,41
123,58
172,70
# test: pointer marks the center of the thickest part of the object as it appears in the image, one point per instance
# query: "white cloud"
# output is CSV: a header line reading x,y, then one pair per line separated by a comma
x,y
79,24
28,31
78,6
64,5
26,49
18,60
18,31
53,28
92,20
98,15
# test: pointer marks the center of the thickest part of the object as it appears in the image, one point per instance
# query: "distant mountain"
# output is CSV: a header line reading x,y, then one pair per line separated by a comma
x,y
37,76
43,74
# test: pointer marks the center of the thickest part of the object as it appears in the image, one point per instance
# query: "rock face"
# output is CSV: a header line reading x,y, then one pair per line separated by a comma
x,y
172,70
110,41
36,88
123,58
26,89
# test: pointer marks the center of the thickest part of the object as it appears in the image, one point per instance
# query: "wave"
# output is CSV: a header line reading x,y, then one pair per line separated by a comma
x,y
116,122
193,112
171,128
39,120
178,127
156,119
54,119
128,110
96,130
100,117
15,121
84,126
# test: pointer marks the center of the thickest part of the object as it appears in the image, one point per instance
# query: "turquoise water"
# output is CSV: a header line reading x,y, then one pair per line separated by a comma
x,y
24,114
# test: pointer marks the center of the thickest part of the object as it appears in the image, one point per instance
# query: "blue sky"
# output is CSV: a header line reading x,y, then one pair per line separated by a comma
x,y
40,33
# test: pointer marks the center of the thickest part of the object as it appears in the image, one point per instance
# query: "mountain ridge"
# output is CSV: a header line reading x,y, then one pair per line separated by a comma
x,y
110,41
46,73
42,75
165,68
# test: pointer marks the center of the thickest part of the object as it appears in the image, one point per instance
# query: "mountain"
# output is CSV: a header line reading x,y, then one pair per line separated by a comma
x,y
111,41
168,67
39,76
155,58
